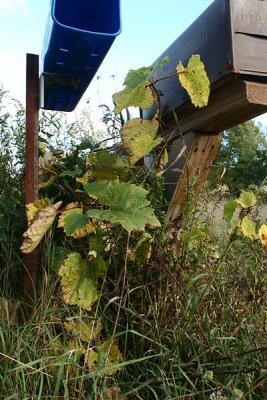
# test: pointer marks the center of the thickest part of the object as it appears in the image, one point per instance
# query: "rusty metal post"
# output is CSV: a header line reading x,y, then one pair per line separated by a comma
x,y
31,168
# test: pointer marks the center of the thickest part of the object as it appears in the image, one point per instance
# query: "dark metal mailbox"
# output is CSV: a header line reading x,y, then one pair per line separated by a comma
x,y
231,38
78,36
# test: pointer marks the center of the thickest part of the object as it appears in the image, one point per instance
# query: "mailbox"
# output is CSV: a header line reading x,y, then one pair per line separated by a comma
x,y
231,38
78,36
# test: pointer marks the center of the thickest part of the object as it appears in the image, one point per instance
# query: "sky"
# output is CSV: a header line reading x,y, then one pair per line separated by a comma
x,y
148,28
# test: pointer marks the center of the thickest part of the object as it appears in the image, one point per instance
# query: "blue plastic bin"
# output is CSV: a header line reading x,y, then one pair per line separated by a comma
x,y
79,34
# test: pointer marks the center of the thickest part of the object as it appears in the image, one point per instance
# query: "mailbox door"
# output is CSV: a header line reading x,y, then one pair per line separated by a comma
x,y
249,29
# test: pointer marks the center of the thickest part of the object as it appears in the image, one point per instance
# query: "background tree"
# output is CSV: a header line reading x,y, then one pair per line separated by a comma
x,y
242,159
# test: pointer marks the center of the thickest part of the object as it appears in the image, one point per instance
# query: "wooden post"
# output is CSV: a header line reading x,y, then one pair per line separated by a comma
x,y
200,157
31,168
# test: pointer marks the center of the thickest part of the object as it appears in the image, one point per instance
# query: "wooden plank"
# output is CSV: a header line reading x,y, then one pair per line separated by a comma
x,y
200,157
256,93
232,102
31,169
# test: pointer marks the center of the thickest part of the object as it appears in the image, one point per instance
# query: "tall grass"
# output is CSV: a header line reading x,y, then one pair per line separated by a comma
x,y
185,332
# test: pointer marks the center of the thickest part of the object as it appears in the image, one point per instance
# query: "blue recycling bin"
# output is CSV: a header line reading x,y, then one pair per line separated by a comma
x,y
79,33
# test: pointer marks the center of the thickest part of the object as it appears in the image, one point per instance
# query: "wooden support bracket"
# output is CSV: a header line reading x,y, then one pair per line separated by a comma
x,y
200,156
232,102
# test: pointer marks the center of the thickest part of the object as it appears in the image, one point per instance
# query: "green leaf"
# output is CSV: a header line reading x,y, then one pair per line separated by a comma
x,y
127,204
137,93
79,280
248,228
142,97
247,200
195,81
138,137
137,77
70,173
74,222
229,210
75,219
104,166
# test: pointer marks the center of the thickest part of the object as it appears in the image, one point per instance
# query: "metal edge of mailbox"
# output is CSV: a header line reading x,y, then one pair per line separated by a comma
x,y
83,30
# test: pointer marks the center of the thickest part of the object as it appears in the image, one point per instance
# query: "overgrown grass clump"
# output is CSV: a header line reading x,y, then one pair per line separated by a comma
x,y
184,331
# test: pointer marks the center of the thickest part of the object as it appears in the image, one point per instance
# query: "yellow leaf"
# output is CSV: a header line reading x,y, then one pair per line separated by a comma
x,y
87,230
164,158
85,331
91,359
263,236
195,81
32,209
110,357
139,137
83,180
79,280
42,223
76,350
248,228
142,97
49,182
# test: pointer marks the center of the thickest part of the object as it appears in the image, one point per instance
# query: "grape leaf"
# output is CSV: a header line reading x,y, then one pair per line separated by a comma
x,y
104,166
137,93
127,204
138,137
91,360
32,209
263,236
85,331
195,81
137,77
74,222
247,200
229,210
109,357
79,280
42,223
248,228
